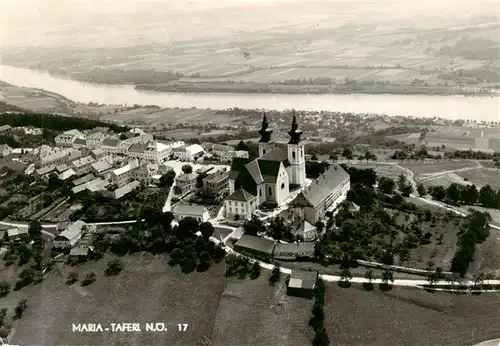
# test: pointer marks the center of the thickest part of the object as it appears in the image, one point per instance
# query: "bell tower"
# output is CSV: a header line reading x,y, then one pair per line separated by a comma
x,y
296,155
265,142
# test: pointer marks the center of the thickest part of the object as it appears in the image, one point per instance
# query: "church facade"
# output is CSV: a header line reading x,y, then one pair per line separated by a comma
x,y
268,178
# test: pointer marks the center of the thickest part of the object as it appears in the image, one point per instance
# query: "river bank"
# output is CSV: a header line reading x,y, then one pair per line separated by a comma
x,y
357,88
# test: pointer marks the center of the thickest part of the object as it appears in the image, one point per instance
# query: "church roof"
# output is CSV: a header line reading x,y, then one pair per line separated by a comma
x,y
277,154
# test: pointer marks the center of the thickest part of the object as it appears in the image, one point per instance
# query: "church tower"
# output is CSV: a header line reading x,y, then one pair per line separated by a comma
x,y
296,155
265,142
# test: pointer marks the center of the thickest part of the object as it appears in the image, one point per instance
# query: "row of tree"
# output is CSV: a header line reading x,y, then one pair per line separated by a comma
x,y
318,315
457,194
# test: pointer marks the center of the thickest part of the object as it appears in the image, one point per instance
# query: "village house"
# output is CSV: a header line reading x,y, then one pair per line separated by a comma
x,y
17,233
71,235
301,284
152,151
186,182
257,247
56,156
292,251
240,205
224,152
125,189
4,128
198,212
80,143
82,165
189,153
323,194
217,182
123,175
95,139
79,253
66,139
111,145
102,167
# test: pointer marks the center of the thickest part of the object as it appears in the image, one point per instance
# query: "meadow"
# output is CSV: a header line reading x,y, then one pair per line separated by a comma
x,y
405,316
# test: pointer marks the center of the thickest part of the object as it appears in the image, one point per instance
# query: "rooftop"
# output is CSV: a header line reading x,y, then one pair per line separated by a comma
x,y
320,188
294,247
301,279
256,243
185,208
240,195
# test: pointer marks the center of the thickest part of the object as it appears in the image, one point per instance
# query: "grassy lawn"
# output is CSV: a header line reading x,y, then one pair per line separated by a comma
x,y
389,171
147,290
482,177
428,168
405,316
253,313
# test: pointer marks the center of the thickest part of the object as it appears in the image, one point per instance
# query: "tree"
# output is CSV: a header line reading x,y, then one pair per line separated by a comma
x,y
255,272
488,197
254,226
401,182
321,338
167,179
470,194
369,275
345,275
114,267
72,278
89,278
206,229
387,276
35,229
422,191
4,288
386,185
437,192
187,169
275,275
20,308
453,193
347,153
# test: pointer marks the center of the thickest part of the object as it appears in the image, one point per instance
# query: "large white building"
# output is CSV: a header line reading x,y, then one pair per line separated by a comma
x,y
124,175
67,138
151,151
189,153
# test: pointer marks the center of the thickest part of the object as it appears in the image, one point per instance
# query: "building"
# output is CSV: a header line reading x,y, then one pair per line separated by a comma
x,y
103,166
224,152
301,284
217,182
152,151
66,139
83,179
79,253
71,235
5,150
17,233
95,139
125,189
240,205
198,212
124,175
186,182
5,128
323,194
257,247
56,156
270,175
292,251
111,146
241,153
83,165
189,153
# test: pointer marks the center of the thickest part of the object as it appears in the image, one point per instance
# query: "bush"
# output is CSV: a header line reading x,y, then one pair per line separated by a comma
x,y
4,288
72,278
114,267
20,308
4,332
89,278
275,276
255,273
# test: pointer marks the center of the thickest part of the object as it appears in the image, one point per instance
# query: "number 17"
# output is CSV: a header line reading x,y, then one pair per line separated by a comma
x,y
182,327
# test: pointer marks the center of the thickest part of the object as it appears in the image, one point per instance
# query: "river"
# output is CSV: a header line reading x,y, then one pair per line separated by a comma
x,y
449,107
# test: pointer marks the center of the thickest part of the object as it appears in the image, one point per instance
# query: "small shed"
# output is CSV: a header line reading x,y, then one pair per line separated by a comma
x,y
301,284
257,247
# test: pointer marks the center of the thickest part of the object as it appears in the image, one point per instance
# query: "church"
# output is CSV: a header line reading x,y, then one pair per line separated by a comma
x,y
269,178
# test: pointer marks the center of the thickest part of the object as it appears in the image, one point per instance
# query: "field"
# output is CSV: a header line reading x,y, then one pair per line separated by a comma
x,y
148,290
252,313
444,180
431,168
406,316
314,40
170,116
390,171
481,176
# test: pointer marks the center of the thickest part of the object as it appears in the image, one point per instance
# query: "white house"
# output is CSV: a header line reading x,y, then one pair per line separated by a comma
x,y
70,236
123,175
17,233
240,205
82,165
188,153
152,151
56,156
198,212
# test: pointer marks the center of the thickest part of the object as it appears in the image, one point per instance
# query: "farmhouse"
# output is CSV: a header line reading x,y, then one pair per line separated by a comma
x,y
257,247
292,251
198,212
323,194
70,236
301,284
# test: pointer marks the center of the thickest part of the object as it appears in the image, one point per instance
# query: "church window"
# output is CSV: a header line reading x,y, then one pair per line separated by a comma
x,y
260,192
282,186
270,191
293,154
